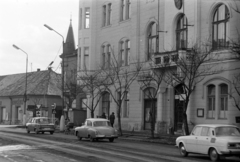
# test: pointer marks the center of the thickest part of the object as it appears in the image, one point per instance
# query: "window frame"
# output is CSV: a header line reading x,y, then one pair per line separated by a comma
x,y
223,96
87,18
217,23
152,38
181,30
212,98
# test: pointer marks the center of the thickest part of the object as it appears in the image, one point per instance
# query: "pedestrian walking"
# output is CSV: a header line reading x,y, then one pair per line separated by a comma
x,y
112,118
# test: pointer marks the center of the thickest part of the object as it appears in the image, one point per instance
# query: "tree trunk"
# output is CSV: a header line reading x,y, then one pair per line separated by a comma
x,y
185,123
119,121
92,114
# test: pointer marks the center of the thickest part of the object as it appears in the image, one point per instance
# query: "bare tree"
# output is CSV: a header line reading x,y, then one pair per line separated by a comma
x,y
153,74
90,82
118,80
190,69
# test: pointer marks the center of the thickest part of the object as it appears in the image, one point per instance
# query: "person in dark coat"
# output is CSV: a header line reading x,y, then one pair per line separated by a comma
x,y
112,118
104,116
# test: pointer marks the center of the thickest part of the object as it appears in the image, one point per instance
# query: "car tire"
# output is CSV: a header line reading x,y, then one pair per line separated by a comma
x,y
51,132
111,139
91,139
36,131
79,138
213,154
182,150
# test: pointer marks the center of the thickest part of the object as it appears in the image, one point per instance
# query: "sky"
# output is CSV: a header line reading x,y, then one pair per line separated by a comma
x,y
22,24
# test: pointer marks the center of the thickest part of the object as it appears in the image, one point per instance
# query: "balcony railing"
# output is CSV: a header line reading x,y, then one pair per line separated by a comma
x,y
171,57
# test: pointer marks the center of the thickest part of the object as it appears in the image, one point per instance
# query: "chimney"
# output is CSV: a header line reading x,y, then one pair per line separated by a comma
x,y
38,69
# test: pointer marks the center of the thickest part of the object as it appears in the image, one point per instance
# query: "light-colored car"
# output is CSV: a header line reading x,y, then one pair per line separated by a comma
x,y
211,140
96,128
40,124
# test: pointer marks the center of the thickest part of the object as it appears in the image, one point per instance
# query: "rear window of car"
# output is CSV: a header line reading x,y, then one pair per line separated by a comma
x,y
101,123
227,131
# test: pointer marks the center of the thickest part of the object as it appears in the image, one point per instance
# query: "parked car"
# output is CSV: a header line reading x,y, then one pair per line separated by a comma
x,y
211,140
40,124
96,128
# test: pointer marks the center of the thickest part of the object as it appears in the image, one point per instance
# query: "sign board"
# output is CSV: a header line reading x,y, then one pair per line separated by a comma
x,y
53,111
38,113
39,106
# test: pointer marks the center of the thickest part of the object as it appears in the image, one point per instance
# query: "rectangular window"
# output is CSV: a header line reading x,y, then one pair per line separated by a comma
x,y
104,15
108,56
87,18
80,19
127,52
126,105
122,54
123,14
86,58
109,13
211,107
128,9
79,58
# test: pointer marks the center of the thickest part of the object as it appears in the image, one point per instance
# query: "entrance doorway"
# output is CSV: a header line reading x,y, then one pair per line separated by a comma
x,y
178,107
150,108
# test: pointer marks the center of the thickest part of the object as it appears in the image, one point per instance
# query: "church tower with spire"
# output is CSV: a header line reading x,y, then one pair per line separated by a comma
x,y
69,57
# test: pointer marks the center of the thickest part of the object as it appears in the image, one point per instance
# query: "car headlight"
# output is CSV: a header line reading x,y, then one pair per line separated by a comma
x,y
97,133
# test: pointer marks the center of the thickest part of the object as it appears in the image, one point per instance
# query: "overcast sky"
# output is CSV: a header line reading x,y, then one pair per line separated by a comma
x,y
21,23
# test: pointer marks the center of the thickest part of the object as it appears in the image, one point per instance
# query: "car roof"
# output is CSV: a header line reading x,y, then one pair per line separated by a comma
x,y
97,119
215,125
39,117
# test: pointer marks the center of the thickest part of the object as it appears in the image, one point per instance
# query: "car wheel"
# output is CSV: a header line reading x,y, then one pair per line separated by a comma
x,y
111,139
182,150
28,131
36,131
91,139
79,138
51,132
214,156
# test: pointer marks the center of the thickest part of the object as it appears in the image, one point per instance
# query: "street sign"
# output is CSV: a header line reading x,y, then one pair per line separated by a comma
x,y
54,106
38,113
39,106
53,111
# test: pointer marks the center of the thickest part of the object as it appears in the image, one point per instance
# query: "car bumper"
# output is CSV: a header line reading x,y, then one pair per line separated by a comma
x,y
231,153
47,129
104,136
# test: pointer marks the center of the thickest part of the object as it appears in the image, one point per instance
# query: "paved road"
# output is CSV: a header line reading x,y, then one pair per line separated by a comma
x,y
18,146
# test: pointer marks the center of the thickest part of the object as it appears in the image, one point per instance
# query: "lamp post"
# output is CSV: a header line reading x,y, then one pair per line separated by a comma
x,y
62,117
25,93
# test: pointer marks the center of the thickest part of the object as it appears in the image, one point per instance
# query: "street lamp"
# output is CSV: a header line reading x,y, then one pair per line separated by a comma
x,y
25,93
62,117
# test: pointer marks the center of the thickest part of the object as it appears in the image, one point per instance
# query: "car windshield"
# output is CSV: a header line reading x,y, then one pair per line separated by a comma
x,y
227,131
44,121
101,123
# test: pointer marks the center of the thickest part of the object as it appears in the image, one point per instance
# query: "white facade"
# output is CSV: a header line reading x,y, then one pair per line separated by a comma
x,y
110,26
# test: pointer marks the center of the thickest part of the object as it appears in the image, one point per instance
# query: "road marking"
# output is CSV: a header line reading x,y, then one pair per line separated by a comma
x,y
14,147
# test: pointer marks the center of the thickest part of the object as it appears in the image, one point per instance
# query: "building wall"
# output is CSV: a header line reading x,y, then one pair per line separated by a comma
x,y
199,15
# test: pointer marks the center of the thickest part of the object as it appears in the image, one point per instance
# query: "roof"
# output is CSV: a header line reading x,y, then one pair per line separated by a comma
x,y
215,125
97,119
45,82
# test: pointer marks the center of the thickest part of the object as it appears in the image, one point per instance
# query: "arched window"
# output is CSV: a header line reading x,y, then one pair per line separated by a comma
x,y
181,33
220,25
124,51
211,101
152,40
105,103
223,101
